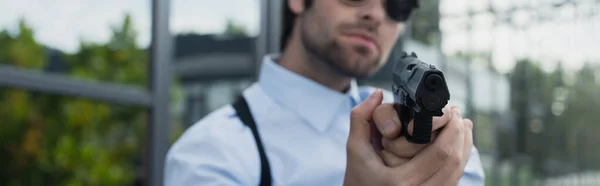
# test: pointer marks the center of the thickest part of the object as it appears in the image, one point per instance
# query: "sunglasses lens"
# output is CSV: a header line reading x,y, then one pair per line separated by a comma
x,y
400,10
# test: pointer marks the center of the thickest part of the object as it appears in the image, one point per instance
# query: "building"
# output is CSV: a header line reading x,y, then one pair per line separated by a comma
x,y
215,69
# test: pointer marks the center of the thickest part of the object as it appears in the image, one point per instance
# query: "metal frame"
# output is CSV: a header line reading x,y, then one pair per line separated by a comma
x,y
161,57
273,23
262,38
59,84
156,100
270,28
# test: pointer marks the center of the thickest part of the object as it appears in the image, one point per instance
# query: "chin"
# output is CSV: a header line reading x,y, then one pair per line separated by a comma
x,y
355,62
363,69
361,74
359,67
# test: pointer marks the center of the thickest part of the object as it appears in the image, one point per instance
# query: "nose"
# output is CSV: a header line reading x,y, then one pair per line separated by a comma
x,y
373,12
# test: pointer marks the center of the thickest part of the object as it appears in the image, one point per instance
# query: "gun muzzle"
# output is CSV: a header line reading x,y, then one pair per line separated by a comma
x,y
420,93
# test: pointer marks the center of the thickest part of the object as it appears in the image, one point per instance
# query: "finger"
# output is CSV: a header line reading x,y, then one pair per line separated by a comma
x,y
376,138
403,148
455,164
468,144
387,121
447,148
359,143
467,148
439,122
468,123
391,160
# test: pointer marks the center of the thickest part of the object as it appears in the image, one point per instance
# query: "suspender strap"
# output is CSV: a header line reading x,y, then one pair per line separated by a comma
x,y
243,112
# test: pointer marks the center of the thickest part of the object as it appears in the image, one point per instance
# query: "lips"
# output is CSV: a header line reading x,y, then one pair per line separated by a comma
x,y
363,38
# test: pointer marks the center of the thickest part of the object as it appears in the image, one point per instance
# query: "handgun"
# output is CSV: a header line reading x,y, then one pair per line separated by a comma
x,y
420,93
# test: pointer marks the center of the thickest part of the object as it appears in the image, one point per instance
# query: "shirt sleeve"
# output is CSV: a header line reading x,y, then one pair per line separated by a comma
x,y
217,156
473,174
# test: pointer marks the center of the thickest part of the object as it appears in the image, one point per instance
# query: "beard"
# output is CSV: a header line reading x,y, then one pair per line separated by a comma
x,y
324,49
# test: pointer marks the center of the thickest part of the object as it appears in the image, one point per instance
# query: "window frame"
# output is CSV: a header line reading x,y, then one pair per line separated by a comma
x,y
156,99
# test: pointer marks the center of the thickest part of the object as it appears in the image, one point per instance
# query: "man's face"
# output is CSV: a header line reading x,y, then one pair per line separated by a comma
x,y
354,37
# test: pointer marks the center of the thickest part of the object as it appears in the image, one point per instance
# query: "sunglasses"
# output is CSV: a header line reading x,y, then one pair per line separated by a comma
x,y
397,10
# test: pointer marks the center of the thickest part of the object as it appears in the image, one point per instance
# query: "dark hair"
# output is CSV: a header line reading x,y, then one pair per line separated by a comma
x,y
287,23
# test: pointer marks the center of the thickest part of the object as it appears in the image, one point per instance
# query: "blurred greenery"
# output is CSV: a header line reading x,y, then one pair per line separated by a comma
x,y
555,114
552,131
234,29
425,22
54,140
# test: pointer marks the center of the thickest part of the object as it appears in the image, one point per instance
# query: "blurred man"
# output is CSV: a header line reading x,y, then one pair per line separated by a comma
x,y
306,122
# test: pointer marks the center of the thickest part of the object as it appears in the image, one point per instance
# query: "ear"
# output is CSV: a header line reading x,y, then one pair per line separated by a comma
x,y
296,6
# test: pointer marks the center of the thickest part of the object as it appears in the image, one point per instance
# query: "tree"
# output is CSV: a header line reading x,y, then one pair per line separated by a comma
x,y
20,145
579,120
532,97
425,22
111,137
234,30
555,119
54,140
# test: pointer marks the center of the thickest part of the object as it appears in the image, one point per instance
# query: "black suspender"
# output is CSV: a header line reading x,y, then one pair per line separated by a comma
x,y
243,112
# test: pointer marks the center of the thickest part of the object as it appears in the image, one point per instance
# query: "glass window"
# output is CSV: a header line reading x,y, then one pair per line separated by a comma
x,y
534,88
91,40
215,52
56,140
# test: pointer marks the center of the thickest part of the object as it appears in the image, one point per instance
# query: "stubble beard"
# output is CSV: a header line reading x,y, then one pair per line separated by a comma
x,y
329,52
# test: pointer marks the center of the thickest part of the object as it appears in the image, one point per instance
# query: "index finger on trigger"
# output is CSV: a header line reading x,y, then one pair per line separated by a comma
x,y
433,157
439,122
436,123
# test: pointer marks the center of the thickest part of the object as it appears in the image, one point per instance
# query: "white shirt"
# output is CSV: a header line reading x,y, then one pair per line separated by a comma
x,y
304,127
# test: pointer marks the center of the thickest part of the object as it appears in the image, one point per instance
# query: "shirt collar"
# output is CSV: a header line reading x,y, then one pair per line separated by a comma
x,y
313,102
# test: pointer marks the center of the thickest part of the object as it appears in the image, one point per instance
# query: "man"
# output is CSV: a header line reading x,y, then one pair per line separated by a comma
x,y
306,122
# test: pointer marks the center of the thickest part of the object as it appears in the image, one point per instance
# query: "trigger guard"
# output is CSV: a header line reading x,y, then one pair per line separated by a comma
x,y
422,129
405,130
406,114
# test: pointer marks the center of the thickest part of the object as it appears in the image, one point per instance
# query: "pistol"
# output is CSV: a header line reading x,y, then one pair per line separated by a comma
x,y
420,93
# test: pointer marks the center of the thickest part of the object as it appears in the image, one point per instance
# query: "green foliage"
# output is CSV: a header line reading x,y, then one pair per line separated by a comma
x,y
564,113
54,140
425,22
22,50
235,30
118,61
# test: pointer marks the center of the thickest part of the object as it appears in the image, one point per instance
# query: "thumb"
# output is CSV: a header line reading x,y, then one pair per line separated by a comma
x,y
360,123
364,110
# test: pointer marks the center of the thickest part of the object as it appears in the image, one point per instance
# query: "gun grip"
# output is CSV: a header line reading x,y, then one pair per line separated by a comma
x,y
421,128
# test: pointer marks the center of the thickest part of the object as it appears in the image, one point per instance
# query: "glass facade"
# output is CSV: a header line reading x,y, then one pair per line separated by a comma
x,y
49,139
215,52
85,92
94,92
94,41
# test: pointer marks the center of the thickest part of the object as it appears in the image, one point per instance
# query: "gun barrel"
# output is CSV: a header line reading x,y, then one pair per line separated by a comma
x,y
422,83
420,90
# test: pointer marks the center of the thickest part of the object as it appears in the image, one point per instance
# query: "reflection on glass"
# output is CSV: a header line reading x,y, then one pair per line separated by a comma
x,y
92,40
214,51
546,134
54,140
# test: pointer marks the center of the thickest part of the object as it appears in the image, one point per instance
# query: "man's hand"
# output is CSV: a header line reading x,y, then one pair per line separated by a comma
x,y
393,148
440,163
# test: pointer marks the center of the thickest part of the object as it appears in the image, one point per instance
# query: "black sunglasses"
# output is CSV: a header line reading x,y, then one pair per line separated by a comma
x,y
397,10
